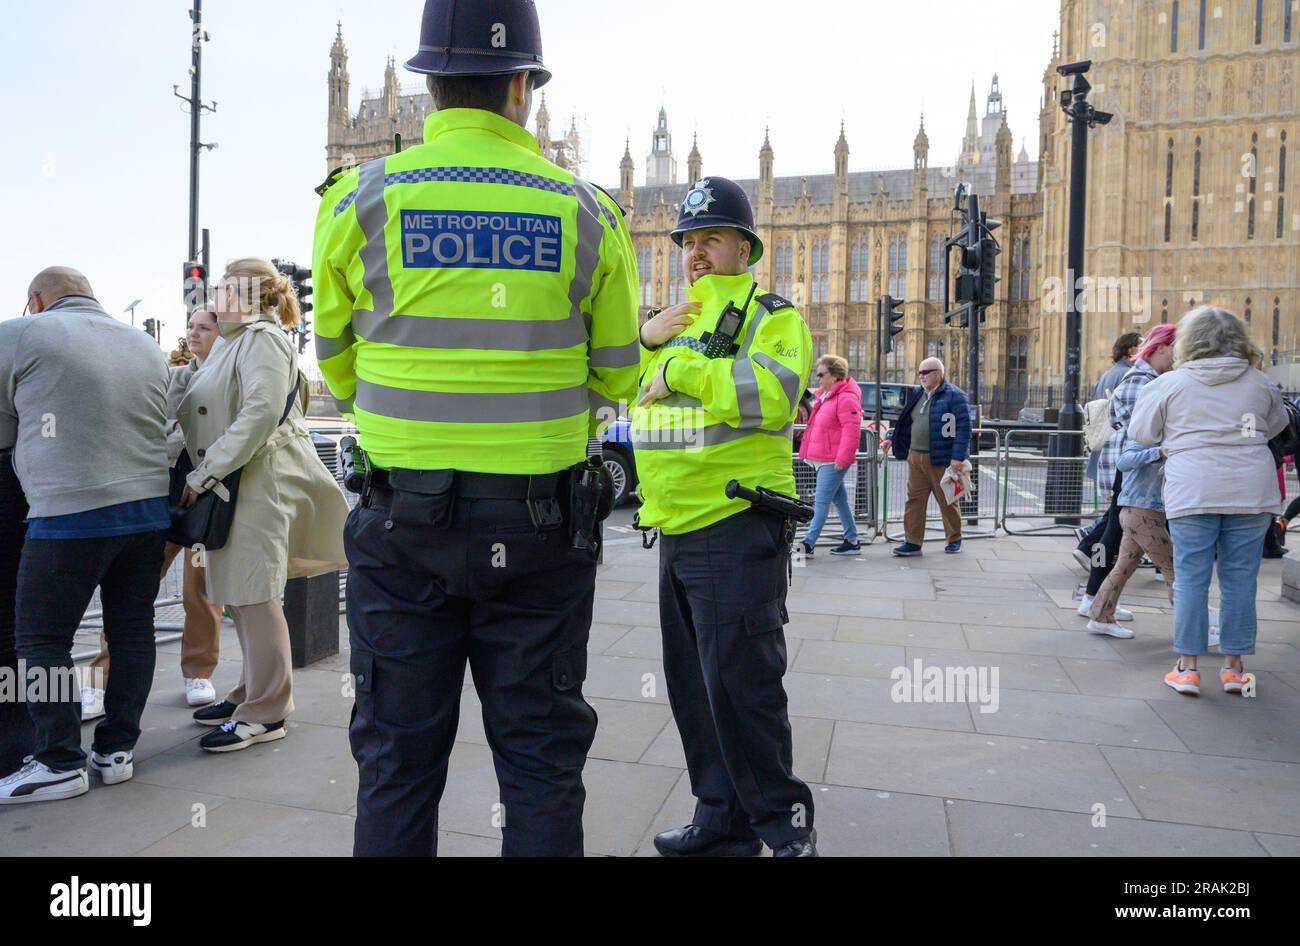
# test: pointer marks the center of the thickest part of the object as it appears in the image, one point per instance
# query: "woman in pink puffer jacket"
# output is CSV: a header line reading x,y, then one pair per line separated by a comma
x,y
830,444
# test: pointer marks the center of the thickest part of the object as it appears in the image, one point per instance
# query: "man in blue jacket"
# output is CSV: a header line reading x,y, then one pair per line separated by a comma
x,y
932,434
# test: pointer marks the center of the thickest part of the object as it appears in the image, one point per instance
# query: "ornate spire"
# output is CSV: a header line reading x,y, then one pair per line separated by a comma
x,y
694,163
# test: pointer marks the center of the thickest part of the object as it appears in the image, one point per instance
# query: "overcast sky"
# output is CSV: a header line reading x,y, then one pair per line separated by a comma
x,y
96,170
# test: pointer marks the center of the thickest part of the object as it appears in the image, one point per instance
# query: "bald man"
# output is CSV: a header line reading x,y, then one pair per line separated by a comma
x,y
932,435
83,411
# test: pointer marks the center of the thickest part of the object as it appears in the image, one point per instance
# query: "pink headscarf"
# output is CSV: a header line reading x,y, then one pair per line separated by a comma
x,y
1162,334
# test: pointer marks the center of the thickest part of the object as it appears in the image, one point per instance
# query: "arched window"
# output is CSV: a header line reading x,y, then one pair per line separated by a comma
x,y
1196,191
821,253
643,270
1200,30
858,270
1254,174
1259,21
675,278
936,269
1026,263
1277,327
782,266
1286,20
1281,184
1169,190
1173,28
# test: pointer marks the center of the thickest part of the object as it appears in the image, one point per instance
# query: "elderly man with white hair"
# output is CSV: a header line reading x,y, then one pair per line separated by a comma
x,y
932,434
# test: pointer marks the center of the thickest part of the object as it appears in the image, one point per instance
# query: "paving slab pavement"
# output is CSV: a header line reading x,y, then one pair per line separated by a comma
x,y
1081,721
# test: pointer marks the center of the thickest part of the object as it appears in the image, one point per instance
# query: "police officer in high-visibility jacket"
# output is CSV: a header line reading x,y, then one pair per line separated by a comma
x,y
476,314
722,375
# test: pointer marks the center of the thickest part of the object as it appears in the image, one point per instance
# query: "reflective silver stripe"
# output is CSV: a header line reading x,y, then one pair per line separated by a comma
x,y
372,215
586,254
742,372
327,348
688,438
471,407
491,334
789,380
597,402
616,356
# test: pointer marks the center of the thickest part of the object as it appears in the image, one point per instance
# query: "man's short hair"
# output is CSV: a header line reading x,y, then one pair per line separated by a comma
x,y
485,92
1123,344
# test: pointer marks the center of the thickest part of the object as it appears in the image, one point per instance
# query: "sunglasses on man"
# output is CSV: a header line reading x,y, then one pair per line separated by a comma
x,y
925,371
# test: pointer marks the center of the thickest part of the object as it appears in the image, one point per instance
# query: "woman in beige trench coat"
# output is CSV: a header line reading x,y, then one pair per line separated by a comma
x,y
289,511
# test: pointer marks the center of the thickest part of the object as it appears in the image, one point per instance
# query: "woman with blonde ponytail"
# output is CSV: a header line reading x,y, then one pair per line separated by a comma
x,y
245,412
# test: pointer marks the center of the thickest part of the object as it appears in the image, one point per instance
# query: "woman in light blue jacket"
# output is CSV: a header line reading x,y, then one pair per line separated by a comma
x,y
1142,517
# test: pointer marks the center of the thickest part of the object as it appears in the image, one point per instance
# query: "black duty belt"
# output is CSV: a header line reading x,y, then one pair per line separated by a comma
x,y
521,486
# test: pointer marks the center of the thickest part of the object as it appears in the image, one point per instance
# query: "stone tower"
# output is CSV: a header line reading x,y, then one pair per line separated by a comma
x,y
694,163
626,172
661,166
338,99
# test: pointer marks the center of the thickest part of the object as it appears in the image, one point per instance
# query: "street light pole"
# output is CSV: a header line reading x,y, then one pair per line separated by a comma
x,y
1068,442
197,38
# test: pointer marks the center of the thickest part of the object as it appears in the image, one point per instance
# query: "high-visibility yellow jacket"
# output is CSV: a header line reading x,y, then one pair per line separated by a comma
x,y
729,417
475,304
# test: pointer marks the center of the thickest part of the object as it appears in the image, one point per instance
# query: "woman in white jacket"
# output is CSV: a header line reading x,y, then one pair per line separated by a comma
x,y
289,511
1214,416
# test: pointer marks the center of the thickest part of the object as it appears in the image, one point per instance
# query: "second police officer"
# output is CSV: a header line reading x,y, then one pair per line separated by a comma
x,y
722,376
476,314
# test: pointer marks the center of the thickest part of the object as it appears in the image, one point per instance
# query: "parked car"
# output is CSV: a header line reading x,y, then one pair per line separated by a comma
x,y
619,459
892,398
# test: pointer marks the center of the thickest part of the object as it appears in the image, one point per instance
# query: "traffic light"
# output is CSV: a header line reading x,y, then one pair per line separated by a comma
x,y
151,328
195,283
988,278
893,321
299,276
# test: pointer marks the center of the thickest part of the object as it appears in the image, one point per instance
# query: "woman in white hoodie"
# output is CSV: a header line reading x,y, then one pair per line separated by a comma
x,y
1214,416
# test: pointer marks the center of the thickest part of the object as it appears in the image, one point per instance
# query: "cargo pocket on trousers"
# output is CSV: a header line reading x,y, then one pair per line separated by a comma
x,y
767,617
569,668
762,661
363,734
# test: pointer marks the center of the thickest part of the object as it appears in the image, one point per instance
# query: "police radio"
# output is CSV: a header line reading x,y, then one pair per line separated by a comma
x,y
721,342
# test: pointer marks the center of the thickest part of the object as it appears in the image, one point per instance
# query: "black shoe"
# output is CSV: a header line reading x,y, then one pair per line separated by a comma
x,y
847,548
694,841
234,735
216,714
804,847
807,550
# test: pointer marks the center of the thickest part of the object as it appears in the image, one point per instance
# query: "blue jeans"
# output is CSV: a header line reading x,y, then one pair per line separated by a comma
x,y
1238,541
830,489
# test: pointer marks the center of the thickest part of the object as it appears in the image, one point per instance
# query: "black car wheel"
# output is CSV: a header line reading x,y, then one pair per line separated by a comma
x,y
620,469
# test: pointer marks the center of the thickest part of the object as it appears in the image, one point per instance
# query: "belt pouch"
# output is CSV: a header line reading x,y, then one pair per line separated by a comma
x,y
423,498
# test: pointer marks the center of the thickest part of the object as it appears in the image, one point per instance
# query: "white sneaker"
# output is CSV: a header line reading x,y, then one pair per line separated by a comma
x,y
118,767
1110,629
199,692
1121,614
35,781
92,703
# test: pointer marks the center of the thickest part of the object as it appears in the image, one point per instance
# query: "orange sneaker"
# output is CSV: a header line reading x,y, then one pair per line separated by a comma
x,y
1231,679
1184,681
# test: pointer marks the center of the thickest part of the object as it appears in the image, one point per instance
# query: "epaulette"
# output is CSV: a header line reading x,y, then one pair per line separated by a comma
x,y
771,301
332,178
621,211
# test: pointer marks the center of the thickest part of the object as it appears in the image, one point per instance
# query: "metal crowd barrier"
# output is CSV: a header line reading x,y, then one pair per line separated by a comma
x,y
861,481
980,509
1044,495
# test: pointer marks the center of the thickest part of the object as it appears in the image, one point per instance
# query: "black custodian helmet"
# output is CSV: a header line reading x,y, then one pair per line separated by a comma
x,y
718,202
480,38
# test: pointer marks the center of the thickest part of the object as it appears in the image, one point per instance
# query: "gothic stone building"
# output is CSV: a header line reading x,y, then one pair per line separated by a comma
x,y
1189,199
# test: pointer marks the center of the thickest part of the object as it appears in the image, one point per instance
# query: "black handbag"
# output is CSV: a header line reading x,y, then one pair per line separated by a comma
x,y
206,524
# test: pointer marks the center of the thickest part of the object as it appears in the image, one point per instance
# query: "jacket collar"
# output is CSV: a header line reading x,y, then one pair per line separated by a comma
x,y
477,119
75,301
230,330
714,291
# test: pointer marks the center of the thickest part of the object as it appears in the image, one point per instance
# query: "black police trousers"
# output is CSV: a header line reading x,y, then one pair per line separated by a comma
x,y
722,608
516,604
